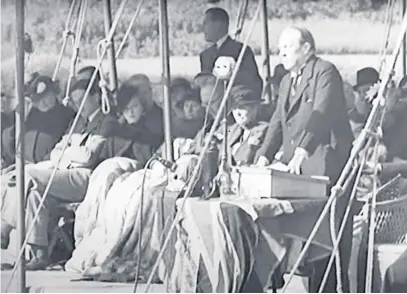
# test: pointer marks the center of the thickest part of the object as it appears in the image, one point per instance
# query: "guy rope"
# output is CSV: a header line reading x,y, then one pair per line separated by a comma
x,y
68,32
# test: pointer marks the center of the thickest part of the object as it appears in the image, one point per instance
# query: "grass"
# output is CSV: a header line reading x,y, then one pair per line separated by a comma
x,y
345,26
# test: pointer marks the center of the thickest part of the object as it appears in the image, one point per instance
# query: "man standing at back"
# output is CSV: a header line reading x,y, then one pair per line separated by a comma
x,y
216,31
311,126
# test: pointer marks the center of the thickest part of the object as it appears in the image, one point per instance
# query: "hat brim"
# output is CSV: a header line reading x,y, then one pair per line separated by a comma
x,y
246,103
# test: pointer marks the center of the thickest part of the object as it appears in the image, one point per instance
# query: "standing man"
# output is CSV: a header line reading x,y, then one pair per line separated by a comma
x,y
311,125
216,31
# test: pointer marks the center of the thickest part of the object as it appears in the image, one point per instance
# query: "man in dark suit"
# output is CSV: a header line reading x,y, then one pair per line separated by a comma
x,y
216,31
71,178
310,123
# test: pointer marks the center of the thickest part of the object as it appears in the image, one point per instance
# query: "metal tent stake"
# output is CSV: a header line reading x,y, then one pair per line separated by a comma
x,y
165,78
107,11
20,135
404,50
266,53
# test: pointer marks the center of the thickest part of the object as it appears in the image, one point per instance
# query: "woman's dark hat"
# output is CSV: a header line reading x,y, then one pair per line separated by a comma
x,y
241,95
38,86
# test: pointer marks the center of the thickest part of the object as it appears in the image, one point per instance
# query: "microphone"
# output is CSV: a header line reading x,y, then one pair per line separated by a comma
x,y
172,166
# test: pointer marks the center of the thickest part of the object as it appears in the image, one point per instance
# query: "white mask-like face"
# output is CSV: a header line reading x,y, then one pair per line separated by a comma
x,y
224,67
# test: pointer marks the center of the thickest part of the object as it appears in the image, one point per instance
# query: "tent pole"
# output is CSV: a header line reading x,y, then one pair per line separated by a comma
x,y
266,52
165,78
20,135
404,49
107,12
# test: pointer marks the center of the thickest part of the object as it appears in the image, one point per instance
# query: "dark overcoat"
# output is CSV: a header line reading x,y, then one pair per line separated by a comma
x,y
248,74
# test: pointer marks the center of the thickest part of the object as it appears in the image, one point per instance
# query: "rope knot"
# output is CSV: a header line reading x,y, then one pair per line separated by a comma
x,y
337,190
67,33
105,43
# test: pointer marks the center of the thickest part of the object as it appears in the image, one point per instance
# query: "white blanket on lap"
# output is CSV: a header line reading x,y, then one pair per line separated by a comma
x,y
87,214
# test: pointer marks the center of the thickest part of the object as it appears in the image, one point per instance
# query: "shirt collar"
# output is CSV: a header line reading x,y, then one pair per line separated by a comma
x,y
93,115
301,70
222,40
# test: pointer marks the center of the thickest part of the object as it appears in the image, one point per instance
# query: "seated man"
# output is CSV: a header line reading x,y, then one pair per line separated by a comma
x,y
365,79
72,175
42,107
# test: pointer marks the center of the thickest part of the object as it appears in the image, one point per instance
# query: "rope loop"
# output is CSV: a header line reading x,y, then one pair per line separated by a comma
x,y
105,98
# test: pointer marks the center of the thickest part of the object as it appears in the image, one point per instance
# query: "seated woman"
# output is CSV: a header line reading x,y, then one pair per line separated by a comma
x,y
187,112
46,122
73,169
244,139
140,129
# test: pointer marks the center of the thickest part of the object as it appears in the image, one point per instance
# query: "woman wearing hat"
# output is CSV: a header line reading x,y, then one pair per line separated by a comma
x,y
247,134
46,121
141,121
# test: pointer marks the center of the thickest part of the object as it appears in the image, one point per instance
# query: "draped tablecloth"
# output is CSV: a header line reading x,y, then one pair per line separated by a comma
x,y
222,245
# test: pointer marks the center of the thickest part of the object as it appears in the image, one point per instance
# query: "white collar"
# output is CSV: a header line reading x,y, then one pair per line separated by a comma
x,y
93,115
299,73
222,40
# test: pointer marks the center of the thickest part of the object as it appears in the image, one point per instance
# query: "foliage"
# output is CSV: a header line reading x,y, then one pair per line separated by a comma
x,y
45,21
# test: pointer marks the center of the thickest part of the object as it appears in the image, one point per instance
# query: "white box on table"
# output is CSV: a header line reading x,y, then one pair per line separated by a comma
x,y
256,182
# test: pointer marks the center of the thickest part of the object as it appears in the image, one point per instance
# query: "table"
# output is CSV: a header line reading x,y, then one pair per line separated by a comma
x,y
220,243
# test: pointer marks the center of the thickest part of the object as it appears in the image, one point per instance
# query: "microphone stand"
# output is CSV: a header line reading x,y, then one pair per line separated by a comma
x,y
224,179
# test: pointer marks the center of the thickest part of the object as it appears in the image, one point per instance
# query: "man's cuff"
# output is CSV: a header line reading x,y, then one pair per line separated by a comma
x,y
301,152
308,143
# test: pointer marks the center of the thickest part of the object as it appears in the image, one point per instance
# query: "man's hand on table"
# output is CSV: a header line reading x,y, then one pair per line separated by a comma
x,y
300,155
262,161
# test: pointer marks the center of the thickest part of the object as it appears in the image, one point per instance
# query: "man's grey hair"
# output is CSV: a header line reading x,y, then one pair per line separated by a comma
x,y
305,36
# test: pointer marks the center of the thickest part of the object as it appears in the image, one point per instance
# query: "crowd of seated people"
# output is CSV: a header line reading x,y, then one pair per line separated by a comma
x,y
104,165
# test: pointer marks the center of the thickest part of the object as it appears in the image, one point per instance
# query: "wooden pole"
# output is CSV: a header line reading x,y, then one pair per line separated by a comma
x,y
266,53
404,49
20,135
107,11
165,77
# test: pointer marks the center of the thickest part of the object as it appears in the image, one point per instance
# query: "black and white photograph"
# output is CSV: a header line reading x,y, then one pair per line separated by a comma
x,y
203,146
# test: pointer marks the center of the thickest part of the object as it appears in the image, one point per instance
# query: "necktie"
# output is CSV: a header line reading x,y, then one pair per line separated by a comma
x,y
293,91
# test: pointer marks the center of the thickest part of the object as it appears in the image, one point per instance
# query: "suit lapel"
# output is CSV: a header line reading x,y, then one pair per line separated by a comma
x,y
224,44
304,83
284,94
234,134
92,125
